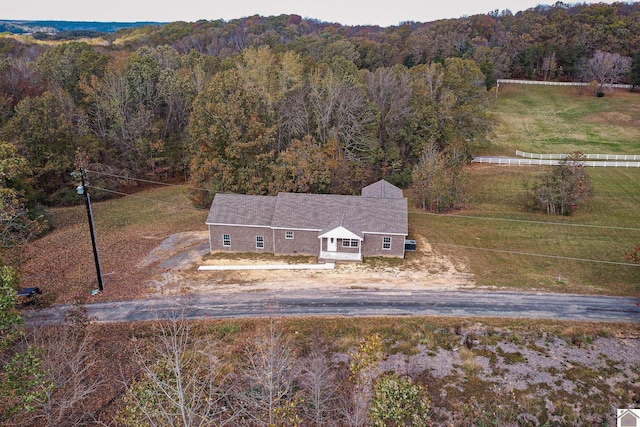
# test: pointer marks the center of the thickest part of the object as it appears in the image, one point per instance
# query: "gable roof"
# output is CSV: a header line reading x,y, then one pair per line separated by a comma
x,y
340,233
324,212
382,189
320,212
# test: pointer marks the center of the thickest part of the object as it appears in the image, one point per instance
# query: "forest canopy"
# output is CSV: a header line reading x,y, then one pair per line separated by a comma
x,y
280,103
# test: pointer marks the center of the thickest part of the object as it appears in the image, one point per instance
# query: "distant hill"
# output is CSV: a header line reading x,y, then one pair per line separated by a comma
x,y
55,27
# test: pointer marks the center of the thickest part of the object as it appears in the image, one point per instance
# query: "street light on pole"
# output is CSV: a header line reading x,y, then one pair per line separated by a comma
x,y
82,190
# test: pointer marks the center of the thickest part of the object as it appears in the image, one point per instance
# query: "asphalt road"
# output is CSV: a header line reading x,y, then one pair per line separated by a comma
x,y
360,303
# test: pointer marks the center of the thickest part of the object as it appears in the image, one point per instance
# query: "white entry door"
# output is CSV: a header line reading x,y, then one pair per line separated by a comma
x,y
332,244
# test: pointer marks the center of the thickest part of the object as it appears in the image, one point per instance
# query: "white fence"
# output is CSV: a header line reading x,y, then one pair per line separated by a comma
x,y
536,82
626,157
543,162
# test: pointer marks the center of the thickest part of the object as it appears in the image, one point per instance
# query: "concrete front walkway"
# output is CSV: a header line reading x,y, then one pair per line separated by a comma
x,y
325,266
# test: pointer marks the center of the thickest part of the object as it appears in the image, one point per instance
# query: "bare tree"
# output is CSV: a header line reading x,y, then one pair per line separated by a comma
x,y
55,374
320,386
181,384
340,111
390,90
605,67
438,179
267,390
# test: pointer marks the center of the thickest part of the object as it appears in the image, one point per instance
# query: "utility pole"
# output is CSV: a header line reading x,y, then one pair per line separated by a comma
x,y
82,190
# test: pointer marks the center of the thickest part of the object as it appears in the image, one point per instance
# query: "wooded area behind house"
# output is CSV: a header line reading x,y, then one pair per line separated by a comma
x,y
265,104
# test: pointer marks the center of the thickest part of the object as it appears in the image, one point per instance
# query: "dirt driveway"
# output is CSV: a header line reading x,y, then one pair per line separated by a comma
x,y
174,263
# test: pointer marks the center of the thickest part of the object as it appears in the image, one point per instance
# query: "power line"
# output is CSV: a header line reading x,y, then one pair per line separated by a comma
x,y
149,181
144,198
606,227
433,244
537,255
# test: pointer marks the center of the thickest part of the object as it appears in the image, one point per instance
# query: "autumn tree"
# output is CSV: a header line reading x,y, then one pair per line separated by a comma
x,y
272,77
634,76
53,374
121,125
48,129
10,319
71,65
561,190
450,104
18,223
304,167
493,62
438,179
340,110
362,364
390,90
140,109
233,139
19,78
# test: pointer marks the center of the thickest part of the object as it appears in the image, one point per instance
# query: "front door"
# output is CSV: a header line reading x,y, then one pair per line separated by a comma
x,y
332,244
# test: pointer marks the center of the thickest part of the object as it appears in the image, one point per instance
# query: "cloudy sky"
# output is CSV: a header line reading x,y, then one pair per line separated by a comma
x,y
348,12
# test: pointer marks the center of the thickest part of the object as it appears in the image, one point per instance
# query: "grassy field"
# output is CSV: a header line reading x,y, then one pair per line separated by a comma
x,y
545,119
602,230
558,119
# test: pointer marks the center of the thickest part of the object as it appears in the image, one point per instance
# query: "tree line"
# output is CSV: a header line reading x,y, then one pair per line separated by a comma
x,y
265,104
260,122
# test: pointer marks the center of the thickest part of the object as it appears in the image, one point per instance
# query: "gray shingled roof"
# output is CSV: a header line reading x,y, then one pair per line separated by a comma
x,y
241,209
382,189
323,212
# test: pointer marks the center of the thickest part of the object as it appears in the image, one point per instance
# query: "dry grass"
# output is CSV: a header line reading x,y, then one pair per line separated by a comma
x,y
61,263
468,362
494,391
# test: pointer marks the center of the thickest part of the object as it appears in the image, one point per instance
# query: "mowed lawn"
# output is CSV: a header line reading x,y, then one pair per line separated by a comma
x,y
544,119
564,119
501,242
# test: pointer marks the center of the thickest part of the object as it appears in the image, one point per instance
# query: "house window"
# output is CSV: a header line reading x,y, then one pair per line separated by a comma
x,y
226,240
288,235
349,243
260,242
386,243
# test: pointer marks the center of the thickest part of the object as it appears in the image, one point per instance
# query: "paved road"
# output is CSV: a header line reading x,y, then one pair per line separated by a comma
x,y
361,303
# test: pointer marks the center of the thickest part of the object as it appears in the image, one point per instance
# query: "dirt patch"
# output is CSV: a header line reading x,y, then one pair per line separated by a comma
x,y
176,259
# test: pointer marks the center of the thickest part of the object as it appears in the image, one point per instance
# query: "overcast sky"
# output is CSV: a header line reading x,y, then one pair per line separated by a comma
x,y
347,12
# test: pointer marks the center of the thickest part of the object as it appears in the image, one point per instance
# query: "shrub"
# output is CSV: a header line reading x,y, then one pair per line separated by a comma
x,y
398,401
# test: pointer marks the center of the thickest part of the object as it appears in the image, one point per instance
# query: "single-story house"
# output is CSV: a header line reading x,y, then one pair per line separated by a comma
x,y
329,226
